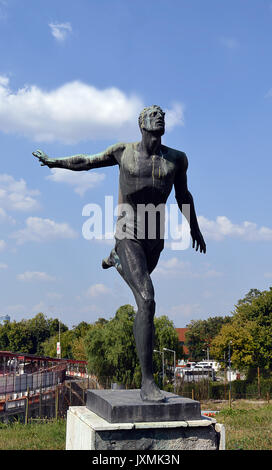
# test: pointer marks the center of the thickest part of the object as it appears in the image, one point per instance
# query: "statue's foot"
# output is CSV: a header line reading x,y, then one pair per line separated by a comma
x,y
112,260
151,392
107,263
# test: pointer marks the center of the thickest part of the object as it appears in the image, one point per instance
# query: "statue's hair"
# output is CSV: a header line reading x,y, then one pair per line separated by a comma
x,y
141,116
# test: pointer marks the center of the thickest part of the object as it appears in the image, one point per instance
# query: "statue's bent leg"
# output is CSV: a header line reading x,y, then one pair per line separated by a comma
x,y
135,273
112,260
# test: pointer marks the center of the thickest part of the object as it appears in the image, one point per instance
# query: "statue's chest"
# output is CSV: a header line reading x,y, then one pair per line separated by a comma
x,y
154,169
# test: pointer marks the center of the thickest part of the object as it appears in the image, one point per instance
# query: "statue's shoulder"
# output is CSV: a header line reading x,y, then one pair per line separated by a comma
x,y
176,156
116,151
119,146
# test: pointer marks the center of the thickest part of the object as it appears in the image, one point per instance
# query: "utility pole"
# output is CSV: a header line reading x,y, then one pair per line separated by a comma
x,y
162,354
229,375
171,350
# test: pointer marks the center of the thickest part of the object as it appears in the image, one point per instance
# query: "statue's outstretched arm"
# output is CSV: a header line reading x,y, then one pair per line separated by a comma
x,y
183,196
81,162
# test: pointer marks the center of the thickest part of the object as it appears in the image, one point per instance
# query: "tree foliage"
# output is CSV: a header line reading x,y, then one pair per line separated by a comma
x,y
250,332
27,336
201,333
111,348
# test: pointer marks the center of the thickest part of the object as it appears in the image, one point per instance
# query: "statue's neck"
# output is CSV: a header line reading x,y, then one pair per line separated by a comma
x,y
150,143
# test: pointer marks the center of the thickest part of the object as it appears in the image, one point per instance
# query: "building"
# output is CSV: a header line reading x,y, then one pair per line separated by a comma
x,y
181,336
4,318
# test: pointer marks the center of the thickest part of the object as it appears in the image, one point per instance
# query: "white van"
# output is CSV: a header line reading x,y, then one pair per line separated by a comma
x,y
213,364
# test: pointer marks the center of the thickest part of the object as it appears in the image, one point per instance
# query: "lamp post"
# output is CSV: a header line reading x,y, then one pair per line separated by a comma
x,y
208,352
171,350
229,374
162,354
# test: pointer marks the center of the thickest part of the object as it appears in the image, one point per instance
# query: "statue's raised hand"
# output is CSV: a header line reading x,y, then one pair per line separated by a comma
x,y
44,159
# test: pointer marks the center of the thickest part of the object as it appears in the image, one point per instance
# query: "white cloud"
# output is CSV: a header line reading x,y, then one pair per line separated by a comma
x,y
81,181
74,112
4,217
173,267
34,276
3,266
222,227
2,245
175,116
15,195
60,31
97,289
43,230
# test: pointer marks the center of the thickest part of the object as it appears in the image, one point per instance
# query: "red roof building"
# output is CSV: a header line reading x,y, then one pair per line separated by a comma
x,y
181,336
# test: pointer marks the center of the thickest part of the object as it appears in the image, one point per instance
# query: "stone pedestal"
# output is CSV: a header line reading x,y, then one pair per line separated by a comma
x,y
88,431
126,406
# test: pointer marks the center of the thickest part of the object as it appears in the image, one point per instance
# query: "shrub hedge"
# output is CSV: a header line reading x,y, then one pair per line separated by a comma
x,y
245,389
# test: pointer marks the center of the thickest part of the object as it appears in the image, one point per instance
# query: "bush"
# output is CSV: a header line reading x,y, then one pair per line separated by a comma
x,y
241,389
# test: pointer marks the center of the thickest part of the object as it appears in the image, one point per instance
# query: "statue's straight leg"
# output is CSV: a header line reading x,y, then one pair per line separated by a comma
x,y
135,272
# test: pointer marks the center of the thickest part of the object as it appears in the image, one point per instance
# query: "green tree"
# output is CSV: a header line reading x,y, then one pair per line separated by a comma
x,y
166,336
250,332
20,338
49,347
239,340
27,336
41,328
111,348
4,336
201,333
81,329
79,350
250,296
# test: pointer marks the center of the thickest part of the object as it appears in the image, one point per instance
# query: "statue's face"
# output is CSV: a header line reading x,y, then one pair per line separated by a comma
x,y
153,120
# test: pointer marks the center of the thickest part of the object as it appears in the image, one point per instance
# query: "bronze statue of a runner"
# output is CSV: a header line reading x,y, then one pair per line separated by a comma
x,y
148,172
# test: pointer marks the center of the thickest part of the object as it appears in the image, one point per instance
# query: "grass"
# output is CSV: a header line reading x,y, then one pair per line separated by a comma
x,y
46,435
248,424
248,427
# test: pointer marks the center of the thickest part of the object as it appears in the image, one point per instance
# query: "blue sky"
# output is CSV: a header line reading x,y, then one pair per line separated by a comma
x,y
73,78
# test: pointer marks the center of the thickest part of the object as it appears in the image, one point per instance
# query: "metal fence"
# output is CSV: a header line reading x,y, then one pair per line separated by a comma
x,y
51,401
13,383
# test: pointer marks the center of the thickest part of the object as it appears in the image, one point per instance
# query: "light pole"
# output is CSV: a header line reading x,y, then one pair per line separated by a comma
x,y
162,354
52,307
171,350
229,374
208,352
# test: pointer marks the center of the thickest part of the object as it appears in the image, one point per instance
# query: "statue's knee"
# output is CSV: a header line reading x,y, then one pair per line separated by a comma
x,y
147,306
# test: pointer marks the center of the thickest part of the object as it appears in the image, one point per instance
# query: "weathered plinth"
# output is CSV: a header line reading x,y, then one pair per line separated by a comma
x,y
126,406
87,430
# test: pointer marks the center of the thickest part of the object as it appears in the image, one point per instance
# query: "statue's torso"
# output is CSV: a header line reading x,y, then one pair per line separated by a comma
x,y
145,180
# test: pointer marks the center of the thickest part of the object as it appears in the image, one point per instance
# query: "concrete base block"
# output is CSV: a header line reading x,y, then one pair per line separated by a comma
x,y
126,406
88,431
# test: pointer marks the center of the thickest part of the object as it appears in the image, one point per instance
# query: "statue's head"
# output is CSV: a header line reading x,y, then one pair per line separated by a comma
x,y
151,119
